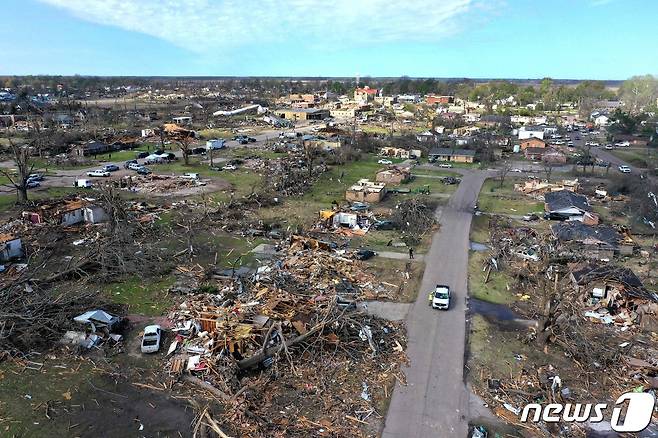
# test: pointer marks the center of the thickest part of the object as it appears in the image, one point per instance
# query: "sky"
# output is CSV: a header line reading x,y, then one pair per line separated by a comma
x,y
563,39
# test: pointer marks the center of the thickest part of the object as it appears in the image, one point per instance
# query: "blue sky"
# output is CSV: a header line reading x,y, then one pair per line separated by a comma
x,y
579,39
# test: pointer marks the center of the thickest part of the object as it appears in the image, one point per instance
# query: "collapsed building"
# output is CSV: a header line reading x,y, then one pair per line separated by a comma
x,y
567,205
366,191
595,242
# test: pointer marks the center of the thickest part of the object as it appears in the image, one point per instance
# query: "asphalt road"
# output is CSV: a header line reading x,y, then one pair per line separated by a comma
x,y
435,401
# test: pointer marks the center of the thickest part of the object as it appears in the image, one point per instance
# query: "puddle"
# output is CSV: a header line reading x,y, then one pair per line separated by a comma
x,y
475,246
499,314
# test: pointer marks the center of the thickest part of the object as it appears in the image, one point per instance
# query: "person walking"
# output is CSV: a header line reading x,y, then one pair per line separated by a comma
x,y
411,253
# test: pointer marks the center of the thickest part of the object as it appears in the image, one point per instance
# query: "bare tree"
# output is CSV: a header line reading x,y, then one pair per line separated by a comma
x,y
503,171
185,147
548,170
24,165
311,152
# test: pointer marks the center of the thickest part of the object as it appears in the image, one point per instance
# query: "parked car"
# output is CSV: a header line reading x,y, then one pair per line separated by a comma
x,y
365,254
128,163
384,225
251,139
445,165
230,167
141,155
110,168
190,176
624,169
31,184
135,166
35,177
440,297
243,141
530,217
151,339
98,173
143,171
197,151
359,206
517,170
382,161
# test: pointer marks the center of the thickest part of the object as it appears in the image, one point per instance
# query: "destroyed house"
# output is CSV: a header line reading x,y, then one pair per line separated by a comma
x,y
346,219
66,212
399,153
565,204
600,280
366,191
92,148
10,247
455,155
601,241
394,175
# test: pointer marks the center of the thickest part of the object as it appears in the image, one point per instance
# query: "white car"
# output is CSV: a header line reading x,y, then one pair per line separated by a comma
x,y
190,176
440,297
516,170
624,169
151,339
134,166
98,172
445,165
230,167
384,162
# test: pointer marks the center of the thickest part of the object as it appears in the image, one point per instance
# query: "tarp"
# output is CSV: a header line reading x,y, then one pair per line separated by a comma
x,y
97,318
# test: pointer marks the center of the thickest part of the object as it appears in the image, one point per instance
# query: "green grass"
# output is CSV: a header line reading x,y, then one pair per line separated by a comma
x,y
207,134
636,158
504,200
495,290
331,186
27,391
125,155
145,297
8,200
480,229
435,185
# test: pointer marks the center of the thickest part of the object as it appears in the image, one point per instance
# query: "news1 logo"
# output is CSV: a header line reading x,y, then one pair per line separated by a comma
x,y
638,412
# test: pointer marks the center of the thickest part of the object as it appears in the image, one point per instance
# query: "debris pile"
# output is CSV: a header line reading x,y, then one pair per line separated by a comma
x,y
157,183
296,321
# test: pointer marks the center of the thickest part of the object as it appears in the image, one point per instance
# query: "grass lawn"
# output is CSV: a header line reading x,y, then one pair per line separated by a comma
x,y
636,157
207,134
303,211
142,297
27,391
125,155
332,185
480,229
8,200
435,185
504,200
495,290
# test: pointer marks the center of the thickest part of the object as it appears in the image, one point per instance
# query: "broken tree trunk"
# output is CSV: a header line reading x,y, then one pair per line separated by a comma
x,y
262,355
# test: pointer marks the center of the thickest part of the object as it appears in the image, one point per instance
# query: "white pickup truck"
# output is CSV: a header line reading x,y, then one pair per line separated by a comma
x,y
439,298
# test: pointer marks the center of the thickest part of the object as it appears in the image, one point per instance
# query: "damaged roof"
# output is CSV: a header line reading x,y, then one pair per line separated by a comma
x,y
588,272
578,231
565,199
